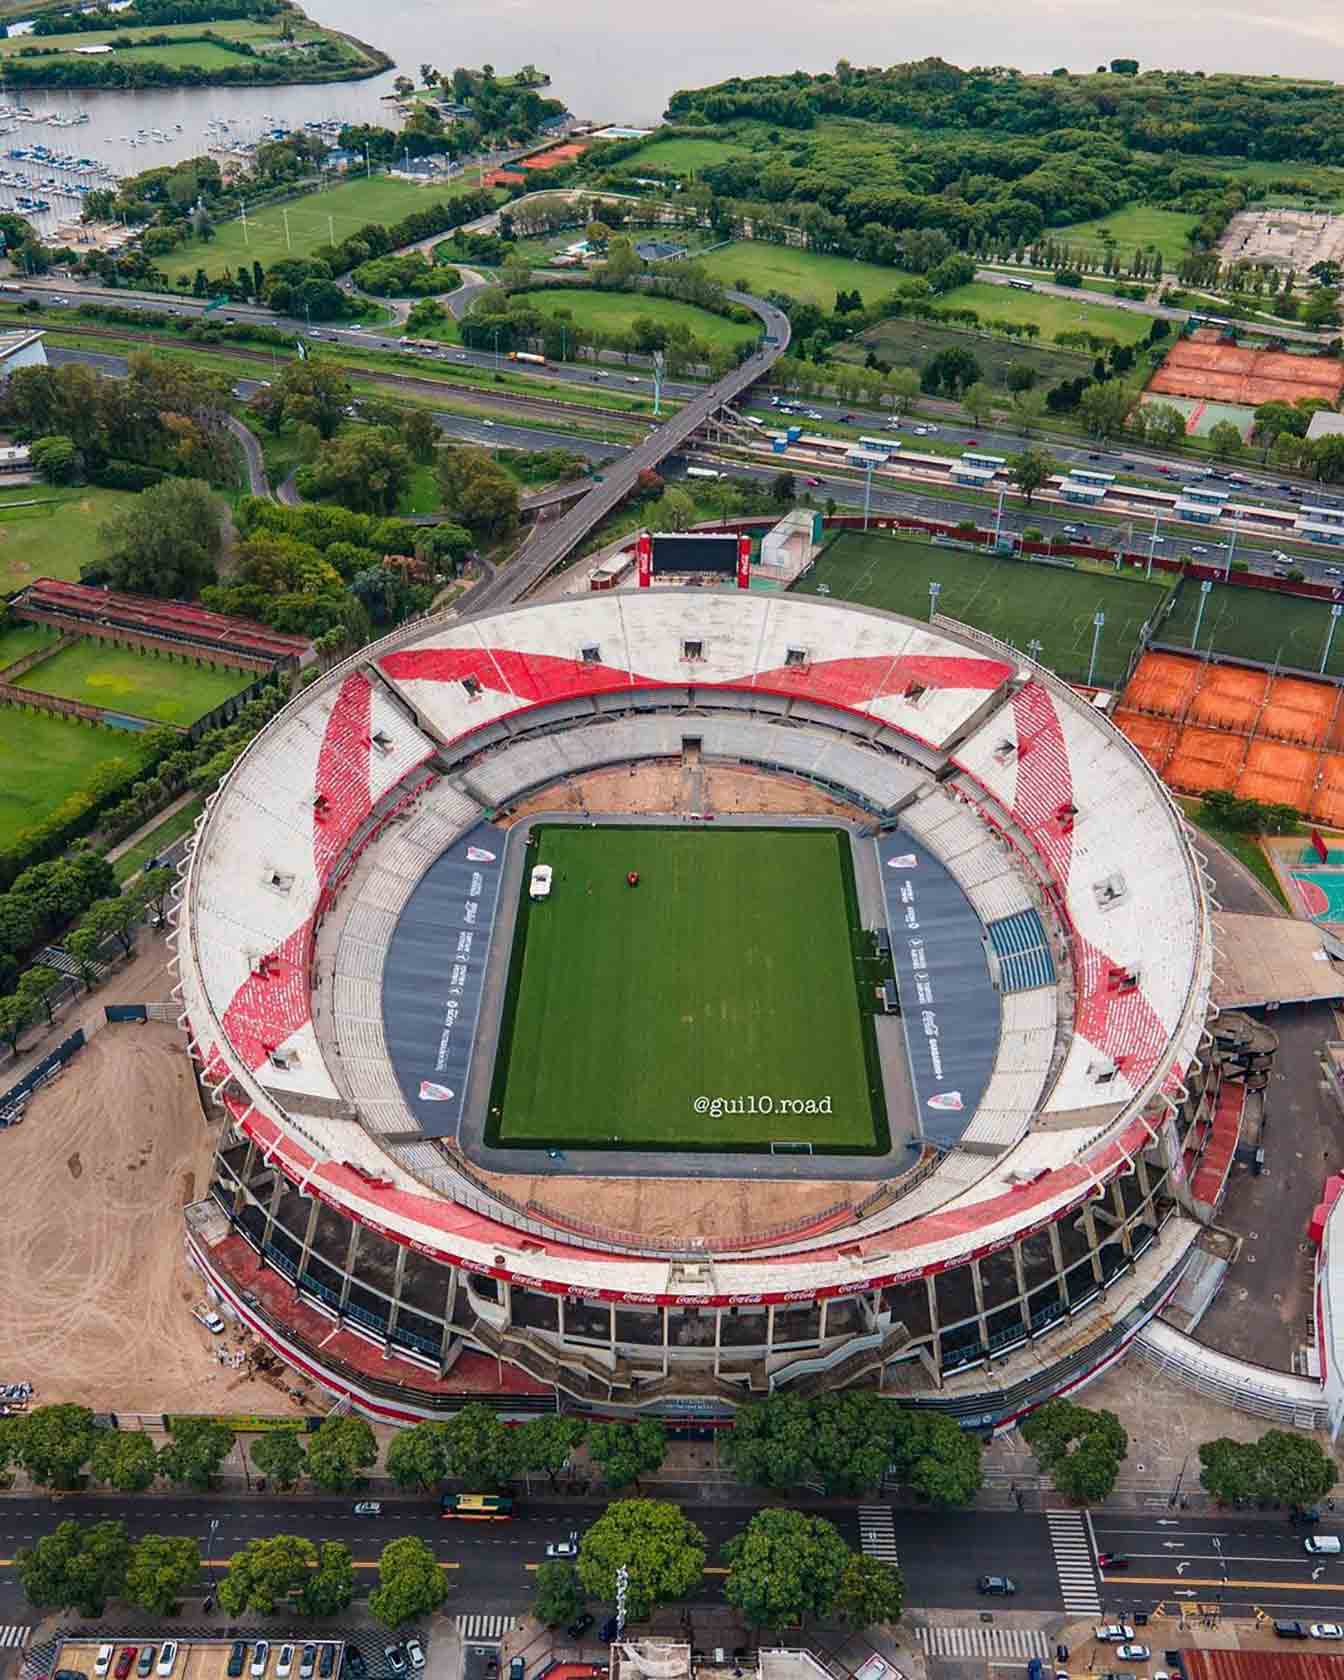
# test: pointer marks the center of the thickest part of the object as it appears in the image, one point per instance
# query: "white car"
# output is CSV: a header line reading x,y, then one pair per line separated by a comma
x,y
167,1659
416,1652
284,1663
1115,1633
1133,1653
487,423
261,1655
1326,1630
211,1320
539,886
103,1661
564,1548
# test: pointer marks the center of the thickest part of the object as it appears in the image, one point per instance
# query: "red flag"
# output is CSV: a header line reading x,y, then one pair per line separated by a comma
x,y
1319,846
644,556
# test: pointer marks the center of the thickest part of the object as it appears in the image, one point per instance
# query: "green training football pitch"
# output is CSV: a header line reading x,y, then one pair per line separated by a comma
x,y
727,974
1015,600
1257,624
123,680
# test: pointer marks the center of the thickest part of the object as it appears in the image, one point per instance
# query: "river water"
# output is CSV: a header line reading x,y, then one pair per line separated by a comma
x,y
618,60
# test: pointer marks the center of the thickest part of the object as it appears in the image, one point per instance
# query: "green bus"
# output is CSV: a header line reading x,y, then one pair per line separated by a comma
x,y
477,1507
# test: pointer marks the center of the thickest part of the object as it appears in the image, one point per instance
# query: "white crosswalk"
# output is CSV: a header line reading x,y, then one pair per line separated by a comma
x,y
1074,1562
877,1533
14,1638
484,1626
1022,1643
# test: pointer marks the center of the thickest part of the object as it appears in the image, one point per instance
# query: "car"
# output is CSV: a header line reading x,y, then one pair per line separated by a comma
x,y
1133,1653
601,374
146,1664
313,333
103,1661
579,1626
1198,548
1327,1630
125,1662
1094,455
847,419
1112,1560
972,442
355,1663
237,1657
560,1548
1115,1633
395,1658
997,1586
607,1632
517,1668
813,482
1289,1630
931,430
632,379
326,1663
167,1658
307,1662
211,1320
284,1662
261,1655
70,1674
538,887
813,414
489,423
416,1652
368,1508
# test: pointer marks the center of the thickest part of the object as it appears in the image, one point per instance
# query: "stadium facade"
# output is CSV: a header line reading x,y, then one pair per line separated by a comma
x,y
1033,1226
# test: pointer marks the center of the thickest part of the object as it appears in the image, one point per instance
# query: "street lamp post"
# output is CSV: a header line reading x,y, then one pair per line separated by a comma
x,y
1330,635
210,1563
1204,589
867,494
1098,624
1152,550
1035,648
1231,550
934,589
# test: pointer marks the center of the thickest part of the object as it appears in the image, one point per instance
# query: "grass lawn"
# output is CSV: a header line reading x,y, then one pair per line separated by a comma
x,y
139,683
909,343
179,44
54,534
729,971
1134,226
19,640
134,859
313,219
43,759
811,276
1012,599
617,311
680,155
422,493
1255,624
1051,314
1244,847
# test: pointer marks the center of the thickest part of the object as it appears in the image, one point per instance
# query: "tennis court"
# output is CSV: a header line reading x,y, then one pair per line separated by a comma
x,y
1267,626
1206,366
1018,601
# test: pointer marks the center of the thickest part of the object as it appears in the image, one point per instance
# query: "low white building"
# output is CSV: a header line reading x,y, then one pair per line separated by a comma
x,y
21,349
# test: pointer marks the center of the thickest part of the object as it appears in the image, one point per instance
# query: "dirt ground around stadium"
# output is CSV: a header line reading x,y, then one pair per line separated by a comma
x,y
1203,366
95,1290
1203,726
673,1207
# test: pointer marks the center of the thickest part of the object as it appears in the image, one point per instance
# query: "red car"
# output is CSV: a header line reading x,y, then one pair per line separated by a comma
x,y
812,481
124,1661
971,442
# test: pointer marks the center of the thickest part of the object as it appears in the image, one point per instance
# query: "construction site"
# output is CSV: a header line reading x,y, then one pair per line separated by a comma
x,y
1283,238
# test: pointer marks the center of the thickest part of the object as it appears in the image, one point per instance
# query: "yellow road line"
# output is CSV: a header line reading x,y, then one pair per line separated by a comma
x,y
1193,1581
710,1569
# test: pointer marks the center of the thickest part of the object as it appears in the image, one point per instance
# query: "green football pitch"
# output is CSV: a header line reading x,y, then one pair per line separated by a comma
x,y
1258,624
728,974
1015,600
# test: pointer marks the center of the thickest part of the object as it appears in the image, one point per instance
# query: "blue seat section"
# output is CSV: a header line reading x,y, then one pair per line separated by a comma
x,y
1023,949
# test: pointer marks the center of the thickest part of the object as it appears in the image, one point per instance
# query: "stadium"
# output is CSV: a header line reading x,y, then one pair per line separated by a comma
x,y
952,927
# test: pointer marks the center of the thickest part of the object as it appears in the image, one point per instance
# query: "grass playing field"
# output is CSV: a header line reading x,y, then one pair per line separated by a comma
x,y
728,972
50,533
314,218
811,276
1051,314
1255,624
1014,600
18,640
680,155
139,683
45,758
617,312
1135,226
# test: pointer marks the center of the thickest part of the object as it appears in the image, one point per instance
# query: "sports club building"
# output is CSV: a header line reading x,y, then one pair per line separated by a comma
x,y
1040,1213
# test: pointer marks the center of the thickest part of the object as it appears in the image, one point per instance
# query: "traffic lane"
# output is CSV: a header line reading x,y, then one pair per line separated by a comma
x,y
1239,1558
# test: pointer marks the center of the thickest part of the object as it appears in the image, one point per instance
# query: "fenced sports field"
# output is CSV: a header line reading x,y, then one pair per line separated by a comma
x,y
1264,625
1018,601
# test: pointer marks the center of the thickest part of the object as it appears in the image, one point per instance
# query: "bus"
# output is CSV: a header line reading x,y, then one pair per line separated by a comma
x,y
1022,285
1210,321
880,446
477,1507
526,356
702,472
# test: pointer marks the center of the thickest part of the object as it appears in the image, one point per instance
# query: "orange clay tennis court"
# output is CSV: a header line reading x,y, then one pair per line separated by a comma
x,y
1204,367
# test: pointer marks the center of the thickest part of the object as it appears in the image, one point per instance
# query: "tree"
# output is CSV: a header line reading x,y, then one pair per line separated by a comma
x,y
125,1459
870,1592
167,542
313,390
1031,471
558,1598
783,488
770,1442
16,1016
1225,440
627,1451
673,511
78,1566
481,1450
663,1551
900,387
1294,1469
1164,424
84,945
364,470
545,1443
418,1457
784,1567
267,1574
113,918
1082,1449
329,1589
56,458
978,401
410,1582
950,371
1021,376
936,1457
339,1451
35,988
153,888
478,493
420,433
163,1569
853,1440
55,1443
1103,408
1321,308
195,1451
279,1456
